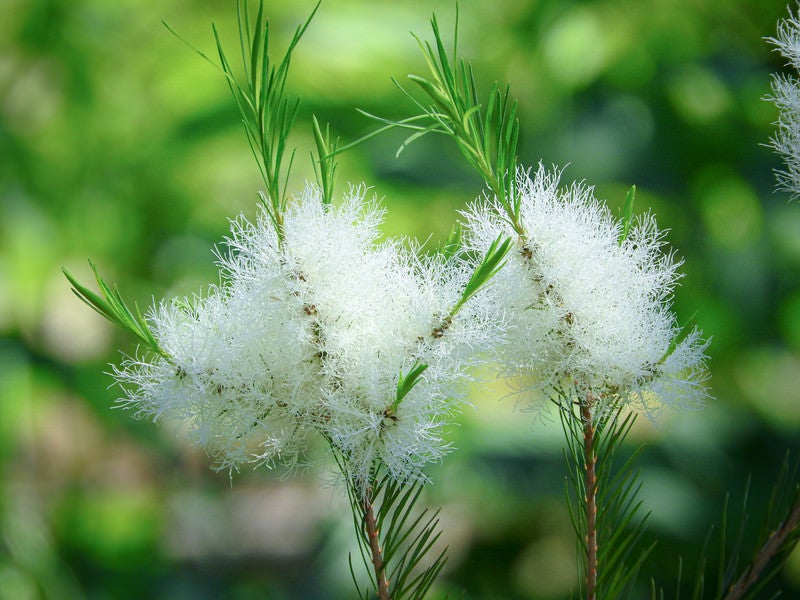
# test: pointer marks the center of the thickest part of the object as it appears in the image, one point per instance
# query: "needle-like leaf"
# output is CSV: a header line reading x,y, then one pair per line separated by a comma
x,y
111,305
492,262
405,383
627,214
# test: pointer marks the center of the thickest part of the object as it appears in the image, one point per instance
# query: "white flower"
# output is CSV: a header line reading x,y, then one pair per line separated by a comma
x,y
589,315
311,334
786,96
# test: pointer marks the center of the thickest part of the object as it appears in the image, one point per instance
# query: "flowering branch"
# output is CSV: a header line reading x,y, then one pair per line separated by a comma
x,y
585,299
487,132
267,112
315,327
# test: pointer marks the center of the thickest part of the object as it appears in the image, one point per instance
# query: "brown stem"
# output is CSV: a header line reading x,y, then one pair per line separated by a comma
x,y
766,554
371,526
590,484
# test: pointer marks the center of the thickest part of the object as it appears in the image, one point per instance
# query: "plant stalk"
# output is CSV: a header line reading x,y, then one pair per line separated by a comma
x,y
371,525
768,551
590,485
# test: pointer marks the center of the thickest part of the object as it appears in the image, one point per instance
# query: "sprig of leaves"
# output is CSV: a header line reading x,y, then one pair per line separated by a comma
x,y
268,113
619,525
777,538
112,306
406,536
406,382
486,131
325,163
491,263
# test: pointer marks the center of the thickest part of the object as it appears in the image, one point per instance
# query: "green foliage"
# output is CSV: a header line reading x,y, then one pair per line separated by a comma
x,y
325,165
486,133
405,383
268,113
491,263
627,214
777,537
112,306
619,525
406,535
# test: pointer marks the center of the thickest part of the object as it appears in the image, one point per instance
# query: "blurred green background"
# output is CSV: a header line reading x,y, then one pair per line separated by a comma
x,y
119,143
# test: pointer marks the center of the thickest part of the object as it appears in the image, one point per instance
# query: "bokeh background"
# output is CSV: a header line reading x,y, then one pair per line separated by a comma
x,y
120,144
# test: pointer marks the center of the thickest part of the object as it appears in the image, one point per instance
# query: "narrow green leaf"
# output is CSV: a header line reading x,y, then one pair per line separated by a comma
x,y
492,262
111,305
325,165
452,244
627,214
405,383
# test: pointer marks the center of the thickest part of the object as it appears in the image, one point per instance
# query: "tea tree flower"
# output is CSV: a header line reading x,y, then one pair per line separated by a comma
x,y
311,334
588,308
586,298
786,96
326,331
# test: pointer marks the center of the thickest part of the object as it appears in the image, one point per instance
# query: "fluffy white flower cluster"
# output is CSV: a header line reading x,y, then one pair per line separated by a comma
x,y
312,333
786,96
588,313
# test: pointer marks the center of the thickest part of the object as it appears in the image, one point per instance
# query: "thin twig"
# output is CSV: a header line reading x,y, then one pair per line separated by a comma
x,y
590,460
768,551
371,525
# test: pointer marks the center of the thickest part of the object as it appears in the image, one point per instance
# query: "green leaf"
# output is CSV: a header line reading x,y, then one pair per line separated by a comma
x,y
405,383
267,112
492,262
325,165
111,305
452,244
627,214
